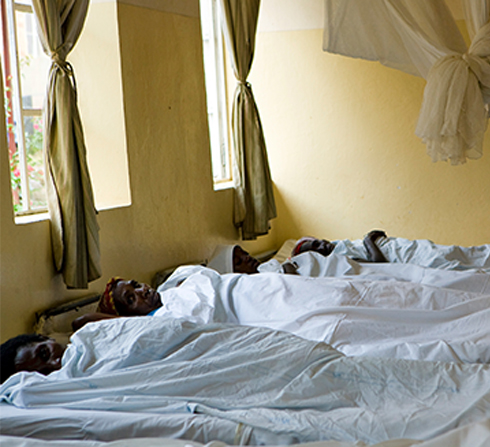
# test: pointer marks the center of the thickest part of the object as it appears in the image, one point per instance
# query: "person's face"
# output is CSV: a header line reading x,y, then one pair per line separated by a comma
x,y
42,356
321,246
133,298
243,262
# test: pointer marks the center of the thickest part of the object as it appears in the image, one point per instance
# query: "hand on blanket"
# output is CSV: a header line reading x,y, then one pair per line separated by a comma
x,y
374,235
290,268
374,253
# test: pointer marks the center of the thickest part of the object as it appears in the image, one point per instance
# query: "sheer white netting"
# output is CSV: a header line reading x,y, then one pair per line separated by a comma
x,y
421,37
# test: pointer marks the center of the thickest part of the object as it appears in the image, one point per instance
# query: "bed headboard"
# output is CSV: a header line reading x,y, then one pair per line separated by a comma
x,y
56,321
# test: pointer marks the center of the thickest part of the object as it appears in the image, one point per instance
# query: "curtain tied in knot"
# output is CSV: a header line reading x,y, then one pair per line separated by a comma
x,y
477,65
62,63
453,117
65,66
244,84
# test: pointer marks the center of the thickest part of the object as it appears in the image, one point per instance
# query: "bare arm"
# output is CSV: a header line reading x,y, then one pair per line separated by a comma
x,y
374,253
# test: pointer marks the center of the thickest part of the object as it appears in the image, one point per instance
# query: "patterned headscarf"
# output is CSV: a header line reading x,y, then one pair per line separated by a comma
x,y
106,302
297,247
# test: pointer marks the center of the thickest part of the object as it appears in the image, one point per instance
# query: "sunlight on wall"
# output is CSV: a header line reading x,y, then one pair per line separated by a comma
x,y
97,63
343,152
175,216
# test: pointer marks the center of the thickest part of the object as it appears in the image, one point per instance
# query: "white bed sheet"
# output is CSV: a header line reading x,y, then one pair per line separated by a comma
x,y
74,424
471,435
270,382
422,252
337,266
374,314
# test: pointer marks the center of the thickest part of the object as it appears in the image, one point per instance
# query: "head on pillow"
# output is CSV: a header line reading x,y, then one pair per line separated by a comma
x,y
309,243
128,298
30,352
232,259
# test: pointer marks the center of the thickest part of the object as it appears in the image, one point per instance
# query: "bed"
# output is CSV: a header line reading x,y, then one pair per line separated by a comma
x,y
420,252
135,377
389,310
378,320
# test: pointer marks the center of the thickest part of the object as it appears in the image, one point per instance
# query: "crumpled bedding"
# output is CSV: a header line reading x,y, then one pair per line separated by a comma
x,y
471,435
422,252
375,314
338,266
270,381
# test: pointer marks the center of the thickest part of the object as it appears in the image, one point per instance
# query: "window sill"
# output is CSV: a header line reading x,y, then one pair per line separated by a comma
x,y
218,186
31,218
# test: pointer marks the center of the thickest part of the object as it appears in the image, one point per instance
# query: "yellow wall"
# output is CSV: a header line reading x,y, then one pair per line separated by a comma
x,y
343,153
175,215
342,148
98,69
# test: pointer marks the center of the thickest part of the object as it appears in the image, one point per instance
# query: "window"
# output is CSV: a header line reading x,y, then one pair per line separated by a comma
x,y
25,69
214,68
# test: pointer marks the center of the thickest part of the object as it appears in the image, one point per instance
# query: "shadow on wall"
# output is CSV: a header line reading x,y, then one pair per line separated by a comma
x,y
286,225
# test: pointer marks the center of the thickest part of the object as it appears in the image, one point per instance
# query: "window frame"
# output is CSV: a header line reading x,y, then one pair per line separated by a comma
x,y
14,94
216,94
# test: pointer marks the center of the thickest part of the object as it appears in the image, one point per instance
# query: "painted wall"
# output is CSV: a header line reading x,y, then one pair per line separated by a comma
x,y
174,216
343,153
340,134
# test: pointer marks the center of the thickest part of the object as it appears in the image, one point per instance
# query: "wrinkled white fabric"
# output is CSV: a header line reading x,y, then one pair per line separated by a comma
x,y
339,266
471,435
272,381
409,35
376,316
421,37
422,252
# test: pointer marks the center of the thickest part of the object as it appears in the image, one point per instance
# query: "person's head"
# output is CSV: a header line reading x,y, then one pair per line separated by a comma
x,y
128,298
243,262
232,259
30,352
321,246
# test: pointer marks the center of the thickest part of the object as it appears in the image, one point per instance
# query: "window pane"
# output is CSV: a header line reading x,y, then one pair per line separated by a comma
x,y
214,68
15,175
33,128
34,64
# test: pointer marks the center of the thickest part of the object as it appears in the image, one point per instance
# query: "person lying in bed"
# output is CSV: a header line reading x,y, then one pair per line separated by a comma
x,y
421,252
234,259
258,378
34,352
30,352
122,298
325,247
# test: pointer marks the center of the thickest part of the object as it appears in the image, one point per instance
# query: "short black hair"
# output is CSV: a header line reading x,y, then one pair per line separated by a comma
x,y
8,352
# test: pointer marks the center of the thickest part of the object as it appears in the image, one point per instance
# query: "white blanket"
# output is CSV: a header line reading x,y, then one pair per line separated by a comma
x,y
375,314
315,265
422,252
299,390
471,435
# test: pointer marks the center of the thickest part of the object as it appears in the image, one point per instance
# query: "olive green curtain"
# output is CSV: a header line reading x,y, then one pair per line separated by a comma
x,y
254,198
74,228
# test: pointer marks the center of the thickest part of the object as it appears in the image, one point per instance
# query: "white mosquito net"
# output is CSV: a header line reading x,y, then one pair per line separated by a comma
x,y
421,37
